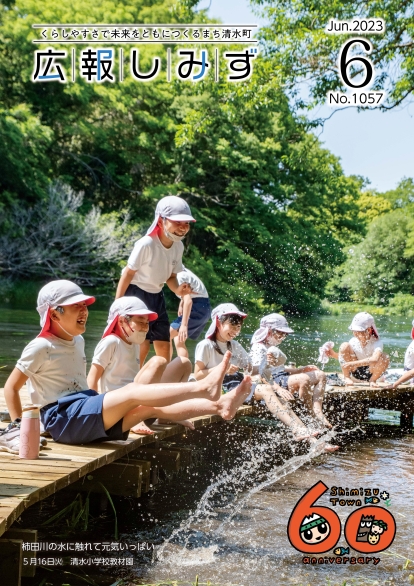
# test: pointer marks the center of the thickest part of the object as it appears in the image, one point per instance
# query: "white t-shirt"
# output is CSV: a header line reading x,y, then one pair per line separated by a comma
x,y
206,353
367,351
154,263
120,361
55,368
409,357
258,356
196,284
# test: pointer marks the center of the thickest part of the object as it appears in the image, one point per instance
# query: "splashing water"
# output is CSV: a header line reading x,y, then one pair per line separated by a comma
x,y
188,544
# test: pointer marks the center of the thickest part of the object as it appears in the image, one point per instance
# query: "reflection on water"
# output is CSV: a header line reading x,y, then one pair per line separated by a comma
x,y
18,327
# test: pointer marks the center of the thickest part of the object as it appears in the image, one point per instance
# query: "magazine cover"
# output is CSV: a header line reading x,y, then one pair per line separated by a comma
x,y
207,280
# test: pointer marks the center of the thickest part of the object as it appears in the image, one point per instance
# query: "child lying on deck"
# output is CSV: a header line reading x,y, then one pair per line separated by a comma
x,y
115,362
362,358
286,379
54,367
226,324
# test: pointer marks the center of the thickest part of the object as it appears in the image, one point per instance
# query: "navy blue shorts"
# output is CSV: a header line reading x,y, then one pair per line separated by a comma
x,y
281,379
77,419
362,373
159,329
199,316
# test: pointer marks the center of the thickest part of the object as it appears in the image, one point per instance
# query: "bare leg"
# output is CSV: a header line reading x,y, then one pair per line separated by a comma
x,y
173,334
378,368
118,403
318,381
177,371
346,354
226,406
301,383
150,373
143,352
181,348
162,349
282,411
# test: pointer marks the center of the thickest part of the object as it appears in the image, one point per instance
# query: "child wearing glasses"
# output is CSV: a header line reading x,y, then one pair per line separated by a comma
x,y
271,362
226,324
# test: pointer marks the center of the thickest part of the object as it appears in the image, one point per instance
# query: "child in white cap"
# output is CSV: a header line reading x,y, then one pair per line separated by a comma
x,y
155,260
308,381
362,358
54,367
226,324
193,313
115,362
408,376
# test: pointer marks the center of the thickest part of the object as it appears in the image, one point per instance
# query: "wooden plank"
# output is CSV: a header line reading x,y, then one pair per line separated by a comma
x,y
119,478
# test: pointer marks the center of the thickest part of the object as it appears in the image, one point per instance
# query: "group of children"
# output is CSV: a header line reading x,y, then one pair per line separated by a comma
x,y
124,392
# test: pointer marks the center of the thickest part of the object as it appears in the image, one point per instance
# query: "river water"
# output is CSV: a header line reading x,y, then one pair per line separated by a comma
x,y
230,528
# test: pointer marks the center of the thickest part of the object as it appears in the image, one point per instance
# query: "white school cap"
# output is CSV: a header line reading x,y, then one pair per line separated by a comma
x,y
362,321
55,294
268,323
173,208
126,306
218,312
412,331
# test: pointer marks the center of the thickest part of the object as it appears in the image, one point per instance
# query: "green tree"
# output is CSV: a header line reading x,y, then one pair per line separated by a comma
x,y
296,40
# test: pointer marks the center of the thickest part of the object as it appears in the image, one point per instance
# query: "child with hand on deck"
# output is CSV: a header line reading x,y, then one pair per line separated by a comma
x,y
226,324
287,380
408,376
362,358
156,259
193,313
54,367
115,362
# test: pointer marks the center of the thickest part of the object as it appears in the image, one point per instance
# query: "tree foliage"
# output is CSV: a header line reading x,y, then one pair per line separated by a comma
x,y
273,207
296,40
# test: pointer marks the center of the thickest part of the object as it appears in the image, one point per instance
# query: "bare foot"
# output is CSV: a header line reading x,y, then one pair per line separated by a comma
x,y
183,422
348,381
330,448
302,433
322,446
228,404
142,429
374,385
322,419
210,386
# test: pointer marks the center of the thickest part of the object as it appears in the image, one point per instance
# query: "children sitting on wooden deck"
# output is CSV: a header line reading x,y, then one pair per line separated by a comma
x,y
408,376
308,382
115,362
362,358
226,324
54,367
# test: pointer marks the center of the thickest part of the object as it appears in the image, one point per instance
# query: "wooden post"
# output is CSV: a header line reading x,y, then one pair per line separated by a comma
x,y
27,536
406,418
119,478
11,561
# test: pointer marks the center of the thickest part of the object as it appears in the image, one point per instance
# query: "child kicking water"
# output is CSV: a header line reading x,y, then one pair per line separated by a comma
x,y
308,382
54,367
226,324
115,362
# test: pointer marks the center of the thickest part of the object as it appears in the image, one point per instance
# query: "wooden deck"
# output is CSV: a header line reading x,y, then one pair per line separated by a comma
x,y
24,482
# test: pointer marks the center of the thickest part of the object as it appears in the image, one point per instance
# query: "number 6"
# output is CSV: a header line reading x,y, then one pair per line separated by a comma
x,y
344,64
313,529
